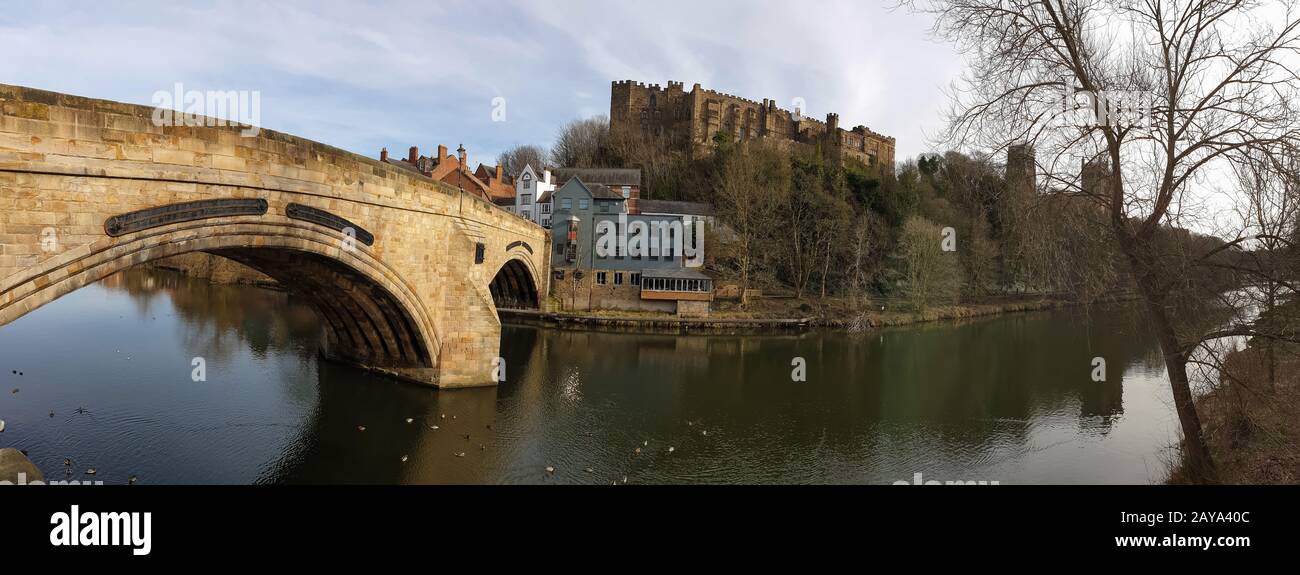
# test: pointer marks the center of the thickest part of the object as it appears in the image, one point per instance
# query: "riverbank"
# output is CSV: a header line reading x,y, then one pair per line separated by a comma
x,y
779,314
1253,428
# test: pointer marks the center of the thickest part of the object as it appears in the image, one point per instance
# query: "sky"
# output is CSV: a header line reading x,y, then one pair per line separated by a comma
x,y
363,75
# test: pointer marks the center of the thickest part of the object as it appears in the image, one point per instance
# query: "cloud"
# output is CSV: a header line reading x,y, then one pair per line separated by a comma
x,y
361,76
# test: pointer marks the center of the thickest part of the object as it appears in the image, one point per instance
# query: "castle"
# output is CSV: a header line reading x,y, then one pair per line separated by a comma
x,y
688,121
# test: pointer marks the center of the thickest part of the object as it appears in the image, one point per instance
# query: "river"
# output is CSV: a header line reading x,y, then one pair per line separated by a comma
x,y
107,381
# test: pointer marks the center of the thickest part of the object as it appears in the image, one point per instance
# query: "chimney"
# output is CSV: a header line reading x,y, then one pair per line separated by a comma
x,y
413,155
442,153
546,176
383,155
460,154
499,172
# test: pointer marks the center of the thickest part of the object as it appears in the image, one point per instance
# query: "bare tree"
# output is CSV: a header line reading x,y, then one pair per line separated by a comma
x,y
514,159
1270,190
933,275
753,185
1219,76
583,143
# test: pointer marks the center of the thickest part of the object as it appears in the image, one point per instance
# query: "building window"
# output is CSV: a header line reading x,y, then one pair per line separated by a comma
x,y
527,214
618,278
546,208
526,199
627,192
635,279
566,204
528,182
582,204
600,278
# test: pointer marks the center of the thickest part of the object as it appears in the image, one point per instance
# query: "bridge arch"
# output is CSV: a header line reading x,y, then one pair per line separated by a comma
x,y
514,286
371,317
109,187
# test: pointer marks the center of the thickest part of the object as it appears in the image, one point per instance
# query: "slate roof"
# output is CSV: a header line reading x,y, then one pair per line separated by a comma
x,y
607,176
671,207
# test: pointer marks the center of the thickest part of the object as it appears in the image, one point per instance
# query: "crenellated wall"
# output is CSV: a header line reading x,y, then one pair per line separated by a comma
x,y
689,121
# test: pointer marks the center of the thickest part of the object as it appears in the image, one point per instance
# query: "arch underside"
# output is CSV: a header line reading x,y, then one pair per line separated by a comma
x,y
364,323
371,317
513,287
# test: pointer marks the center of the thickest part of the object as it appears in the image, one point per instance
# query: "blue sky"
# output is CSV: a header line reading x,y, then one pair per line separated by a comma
x,y
363,75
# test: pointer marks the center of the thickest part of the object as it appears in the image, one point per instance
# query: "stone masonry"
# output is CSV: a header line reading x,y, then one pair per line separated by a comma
x,y
415,304
688,121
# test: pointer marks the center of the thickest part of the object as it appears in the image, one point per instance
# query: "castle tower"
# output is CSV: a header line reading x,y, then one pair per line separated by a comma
x,y
1095,175
1022,173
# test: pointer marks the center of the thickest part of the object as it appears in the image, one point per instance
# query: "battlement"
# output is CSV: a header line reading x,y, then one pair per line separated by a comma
x,y
710,112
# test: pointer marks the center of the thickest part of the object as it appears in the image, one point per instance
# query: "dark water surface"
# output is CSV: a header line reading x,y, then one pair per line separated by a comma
x,y
1006,399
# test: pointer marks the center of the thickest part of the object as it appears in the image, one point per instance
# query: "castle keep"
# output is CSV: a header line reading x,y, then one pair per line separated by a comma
x,y
688,121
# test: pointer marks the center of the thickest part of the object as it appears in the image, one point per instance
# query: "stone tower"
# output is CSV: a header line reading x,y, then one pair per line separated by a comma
x,y
1022,175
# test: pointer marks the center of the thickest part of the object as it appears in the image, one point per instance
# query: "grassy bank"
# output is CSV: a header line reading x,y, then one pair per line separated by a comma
x,y
789,313
1252,427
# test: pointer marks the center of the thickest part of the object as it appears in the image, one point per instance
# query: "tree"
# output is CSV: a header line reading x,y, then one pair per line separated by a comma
x,y
583,143
1270,185
514,159
1215,79
751,190
933,275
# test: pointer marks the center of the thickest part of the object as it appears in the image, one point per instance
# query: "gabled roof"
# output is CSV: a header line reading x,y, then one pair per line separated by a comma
x,y
597,191
602,192
607,176
403,164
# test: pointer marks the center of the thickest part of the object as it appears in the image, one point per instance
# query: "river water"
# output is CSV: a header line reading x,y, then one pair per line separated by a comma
x,y
107,382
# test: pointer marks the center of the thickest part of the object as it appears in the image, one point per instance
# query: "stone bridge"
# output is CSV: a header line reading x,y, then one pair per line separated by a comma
x,y
404,272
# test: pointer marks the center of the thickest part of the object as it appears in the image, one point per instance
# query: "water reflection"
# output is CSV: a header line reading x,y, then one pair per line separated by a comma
x,y
1007,399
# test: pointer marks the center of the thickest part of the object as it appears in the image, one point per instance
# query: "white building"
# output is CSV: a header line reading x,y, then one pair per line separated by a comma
x,y
529,189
